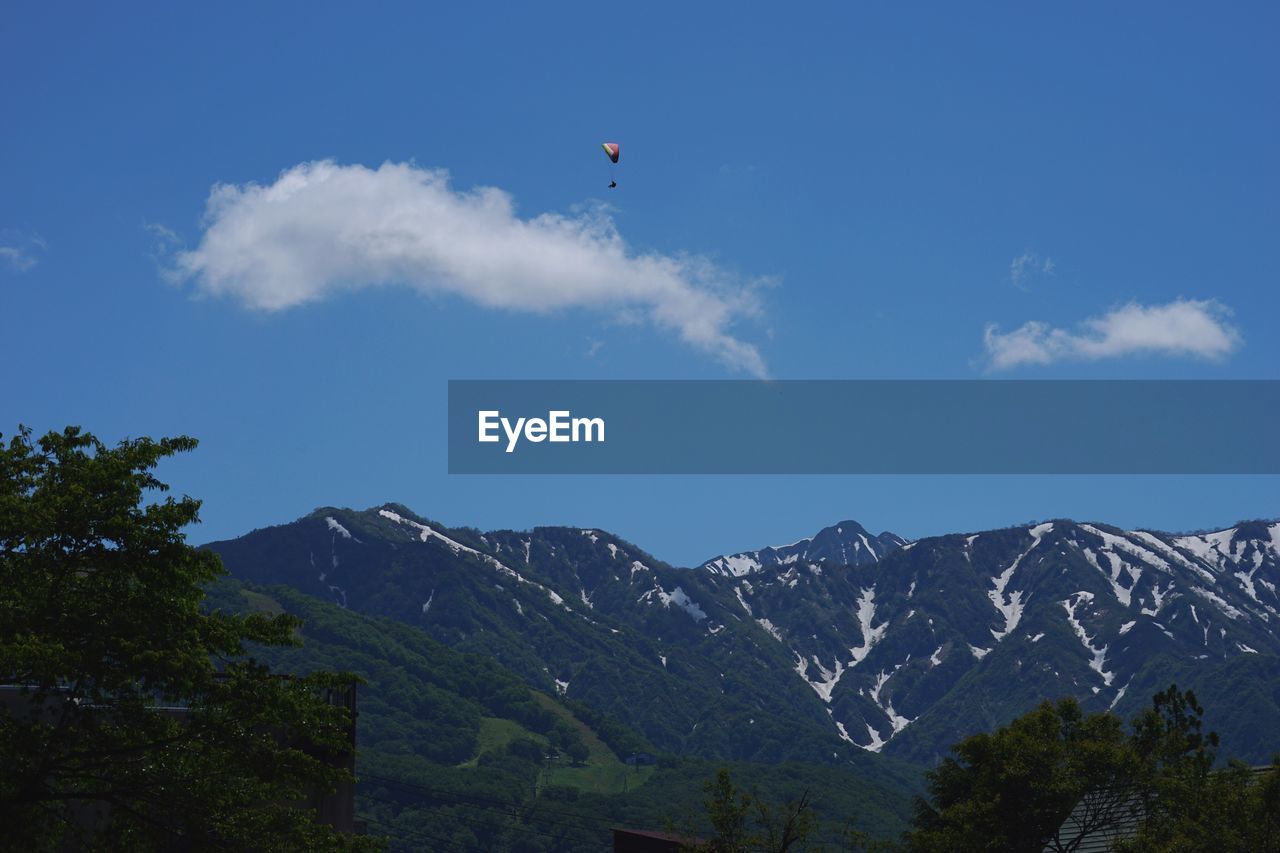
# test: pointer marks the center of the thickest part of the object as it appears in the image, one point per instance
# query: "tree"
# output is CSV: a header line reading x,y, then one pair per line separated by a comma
x,y
578,753
745,821
1187,804
1012,788
727,809
133,718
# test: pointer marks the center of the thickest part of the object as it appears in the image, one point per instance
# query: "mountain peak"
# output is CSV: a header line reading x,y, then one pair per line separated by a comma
x,y
846,543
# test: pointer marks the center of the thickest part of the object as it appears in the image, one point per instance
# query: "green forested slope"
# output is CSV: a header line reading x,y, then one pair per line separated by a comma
x,y
452,747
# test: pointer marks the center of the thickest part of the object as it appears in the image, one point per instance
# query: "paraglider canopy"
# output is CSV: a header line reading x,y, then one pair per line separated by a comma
x,y
612,149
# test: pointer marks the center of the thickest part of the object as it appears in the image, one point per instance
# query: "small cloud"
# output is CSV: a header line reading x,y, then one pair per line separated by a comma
x,y
323,228
1028,268
593,347
17,258
163,242
1185,327
161,233
20,251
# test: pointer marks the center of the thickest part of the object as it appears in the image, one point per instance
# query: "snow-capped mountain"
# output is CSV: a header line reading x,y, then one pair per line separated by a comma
x,y
828,648
962,632
843,544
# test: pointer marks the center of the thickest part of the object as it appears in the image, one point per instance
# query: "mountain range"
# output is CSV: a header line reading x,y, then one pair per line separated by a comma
x,y
828,649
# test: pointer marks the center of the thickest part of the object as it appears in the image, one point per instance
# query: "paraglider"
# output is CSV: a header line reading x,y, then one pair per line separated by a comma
x,y
613,150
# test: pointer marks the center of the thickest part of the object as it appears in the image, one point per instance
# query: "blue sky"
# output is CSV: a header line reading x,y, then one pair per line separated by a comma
x,y
848,190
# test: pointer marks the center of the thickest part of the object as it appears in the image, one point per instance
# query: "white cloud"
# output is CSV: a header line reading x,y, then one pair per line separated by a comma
x,y
322,228
20,251
1029,267
163,236
1184,327
17,258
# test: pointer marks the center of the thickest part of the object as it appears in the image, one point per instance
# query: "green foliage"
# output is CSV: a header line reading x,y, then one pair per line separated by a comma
x,y
527,748
1190,806
727,810
452,744
1233,809
743,821
619,738
1013,789
578,752
504,796
101,628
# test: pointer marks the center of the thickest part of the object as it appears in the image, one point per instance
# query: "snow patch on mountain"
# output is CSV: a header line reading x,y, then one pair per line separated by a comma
x,y
1098,655
678,597
896,720
1113,543
1012,606
735,565
1221,603
1172,554
1216,549
1246,578
1123,595
771,628
426,533
1159,596
1119,696
337,527
828,679
866,615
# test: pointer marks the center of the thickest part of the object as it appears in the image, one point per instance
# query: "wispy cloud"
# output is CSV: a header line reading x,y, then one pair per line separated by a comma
x,y
1029,267
20,251
1184,327
322,228
163,236
163,242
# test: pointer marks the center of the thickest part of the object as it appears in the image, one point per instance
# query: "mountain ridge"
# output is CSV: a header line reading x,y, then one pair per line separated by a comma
x,y
839,640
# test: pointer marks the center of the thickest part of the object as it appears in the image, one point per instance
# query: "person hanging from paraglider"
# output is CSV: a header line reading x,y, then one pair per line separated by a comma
x,y
612,149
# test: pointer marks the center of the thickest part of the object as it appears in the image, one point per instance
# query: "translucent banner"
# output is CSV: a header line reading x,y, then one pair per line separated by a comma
x,y
864,427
